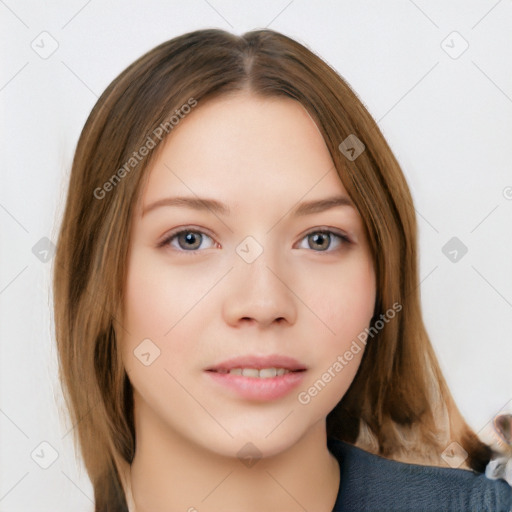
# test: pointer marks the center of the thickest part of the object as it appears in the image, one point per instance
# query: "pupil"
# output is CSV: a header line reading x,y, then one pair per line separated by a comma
x,y
316,236
190,237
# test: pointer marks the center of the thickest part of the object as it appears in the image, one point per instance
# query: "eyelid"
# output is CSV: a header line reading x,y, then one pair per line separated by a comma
x,y
328,229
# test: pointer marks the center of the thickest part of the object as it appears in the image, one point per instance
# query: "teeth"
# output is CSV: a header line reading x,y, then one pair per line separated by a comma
x,y
250,372
264,373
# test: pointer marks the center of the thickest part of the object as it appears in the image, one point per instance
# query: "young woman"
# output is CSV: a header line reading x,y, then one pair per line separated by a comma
x,y
236,297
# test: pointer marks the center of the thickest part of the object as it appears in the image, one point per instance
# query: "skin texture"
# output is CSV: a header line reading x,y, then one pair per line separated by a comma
x,y
261,157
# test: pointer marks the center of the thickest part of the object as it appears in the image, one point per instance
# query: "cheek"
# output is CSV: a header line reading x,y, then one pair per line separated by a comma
x,y
160,302
160,296
345,302
345,305
157,298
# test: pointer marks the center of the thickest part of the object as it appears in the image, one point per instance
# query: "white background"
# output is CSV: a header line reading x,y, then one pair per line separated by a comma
x,y
448,120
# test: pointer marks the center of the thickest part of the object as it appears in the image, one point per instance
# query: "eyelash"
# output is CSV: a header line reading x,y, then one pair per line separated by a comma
x,y
166,242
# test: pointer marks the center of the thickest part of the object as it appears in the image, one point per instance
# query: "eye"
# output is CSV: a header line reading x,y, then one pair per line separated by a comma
x,y
322,240
190,240
187,240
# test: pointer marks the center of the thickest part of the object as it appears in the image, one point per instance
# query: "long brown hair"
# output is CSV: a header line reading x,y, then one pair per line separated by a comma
x,y
398,405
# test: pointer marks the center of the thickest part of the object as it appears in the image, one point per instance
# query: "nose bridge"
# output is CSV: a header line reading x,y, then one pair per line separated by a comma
x,y
260,291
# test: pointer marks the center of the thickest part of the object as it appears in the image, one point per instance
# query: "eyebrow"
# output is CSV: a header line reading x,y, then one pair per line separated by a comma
x,y
203,203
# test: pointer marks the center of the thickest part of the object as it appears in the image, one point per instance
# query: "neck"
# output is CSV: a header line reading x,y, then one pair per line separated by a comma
x,y
172,473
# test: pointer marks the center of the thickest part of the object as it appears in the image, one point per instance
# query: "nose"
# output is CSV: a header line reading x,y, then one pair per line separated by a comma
x,y
260,293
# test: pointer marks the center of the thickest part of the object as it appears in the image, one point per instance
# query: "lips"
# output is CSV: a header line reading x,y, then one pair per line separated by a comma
x,y
259,363
256,378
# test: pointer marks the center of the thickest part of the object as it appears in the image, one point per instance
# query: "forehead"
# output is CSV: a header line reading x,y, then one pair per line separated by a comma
x,y
243,147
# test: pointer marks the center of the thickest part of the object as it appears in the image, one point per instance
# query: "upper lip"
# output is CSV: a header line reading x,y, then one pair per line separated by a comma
x,y
259,362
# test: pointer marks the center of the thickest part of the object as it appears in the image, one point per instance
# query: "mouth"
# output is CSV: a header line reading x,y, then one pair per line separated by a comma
x,y
258,378
266,366
257,373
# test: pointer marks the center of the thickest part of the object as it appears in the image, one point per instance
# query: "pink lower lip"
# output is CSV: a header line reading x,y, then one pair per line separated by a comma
x,y
254,388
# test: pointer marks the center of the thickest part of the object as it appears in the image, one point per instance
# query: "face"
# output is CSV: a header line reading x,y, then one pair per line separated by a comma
x,y
262,278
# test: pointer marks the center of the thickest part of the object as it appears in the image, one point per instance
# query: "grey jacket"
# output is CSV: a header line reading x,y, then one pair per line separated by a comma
x,y
369,482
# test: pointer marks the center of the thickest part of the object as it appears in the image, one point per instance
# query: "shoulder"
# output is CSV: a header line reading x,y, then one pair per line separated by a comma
x,y
371,482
